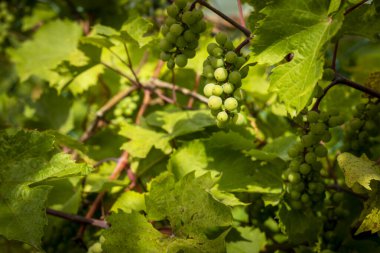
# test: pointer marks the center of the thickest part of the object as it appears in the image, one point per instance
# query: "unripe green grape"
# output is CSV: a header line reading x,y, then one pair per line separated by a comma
x,y
318,128
369,125
217,62
312,116
207,90
244,71
230,57
215,112
221,74
198,14
363,137
217,90
296,205
172,10
215,102
221,38
228,88
285,174
230,104
310,158
222,116
337,197
176,29
318,92
294,177
165,45
295,195
170,64
305,198
217,52
229,45
294,164
308,140
356,124
208,71
305,169
189,53
198,27
170,21
181,60
189,36
189,18
170,37
239,94
181,42
293,152
165,56
326,137
180,3
240,61
211,47
336,121
235,78
239,119
320,151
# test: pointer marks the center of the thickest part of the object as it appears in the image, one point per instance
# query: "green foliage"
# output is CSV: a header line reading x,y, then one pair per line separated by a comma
x,y
103,121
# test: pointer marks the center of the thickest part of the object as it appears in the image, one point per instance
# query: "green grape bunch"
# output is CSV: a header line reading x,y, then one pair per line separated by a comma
x,y
125,109
223,72
304,184
181,33
6,20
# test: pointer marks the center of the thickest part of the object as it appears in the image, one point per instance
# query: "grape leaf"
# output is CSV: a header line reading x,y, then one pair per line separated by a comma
x,y
136,28
190,209
24,161
299,226
52,44
301,27
371,213
129,201
365,21
86,79
358,170
254,241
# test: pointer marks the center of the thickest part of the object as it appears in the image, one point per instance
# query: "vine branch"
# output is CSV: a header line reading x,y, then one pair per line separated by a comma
x,y
77,218
354,7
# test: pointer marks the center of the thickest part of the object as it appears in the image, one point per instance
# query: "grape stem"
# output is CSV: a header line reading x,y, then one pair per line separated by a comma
x,y
77,218
339,79
244,30
354,7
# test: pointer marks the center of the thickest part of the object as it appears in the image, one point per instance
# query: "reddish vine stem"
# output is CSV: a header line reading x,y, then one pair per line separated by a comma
x,y
339,79
77,218
354,7
224,16
241,15
242,44
195,88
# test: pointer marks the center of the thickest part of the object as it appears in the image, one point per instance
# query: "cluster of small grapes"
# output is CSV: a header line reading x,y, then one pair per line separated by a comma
x,y
146,7
331,214
125,109
181,30
97,246
6,19
223,71
362,129
304,184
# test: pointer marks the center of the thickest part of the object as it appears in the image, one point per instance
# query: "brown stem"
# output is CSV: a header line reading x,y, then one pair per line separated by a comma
x,y
144,105
130,66
225,17
333,64
242,44
354,7
195,89
77,218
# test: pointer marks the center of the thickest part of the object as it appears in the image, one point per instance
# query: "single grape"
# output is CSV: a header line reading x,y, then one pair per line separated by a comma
x,y
295,195
165,56
305,198
230,104
308,140
211,47
222,116
208,71
235,78
181,3
336,121
220,74
170,21
305,168
165,45
356,124
189,36
189,53
221,38
217,52
229,45
172,10
217,62
170,64
217,90
240,61
318,128
294,177
198,27
171,38
215,102
310,158
176,29
189,18
230,57
293,152
312,116
207,90
181,42
181,60
320,151
228,88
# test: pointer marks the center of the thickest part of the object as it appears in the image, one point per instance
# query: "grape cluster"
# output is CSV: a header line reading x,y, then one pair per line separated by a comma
x,y
363,128
181,31
6,19
125,109
304,185
223,72
97,246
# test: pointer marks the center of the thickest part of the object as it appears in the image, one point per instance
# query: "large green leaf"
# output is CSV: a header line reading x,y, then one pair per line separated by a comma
x,y
24,161
301,27
52,44
358,170
371,213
